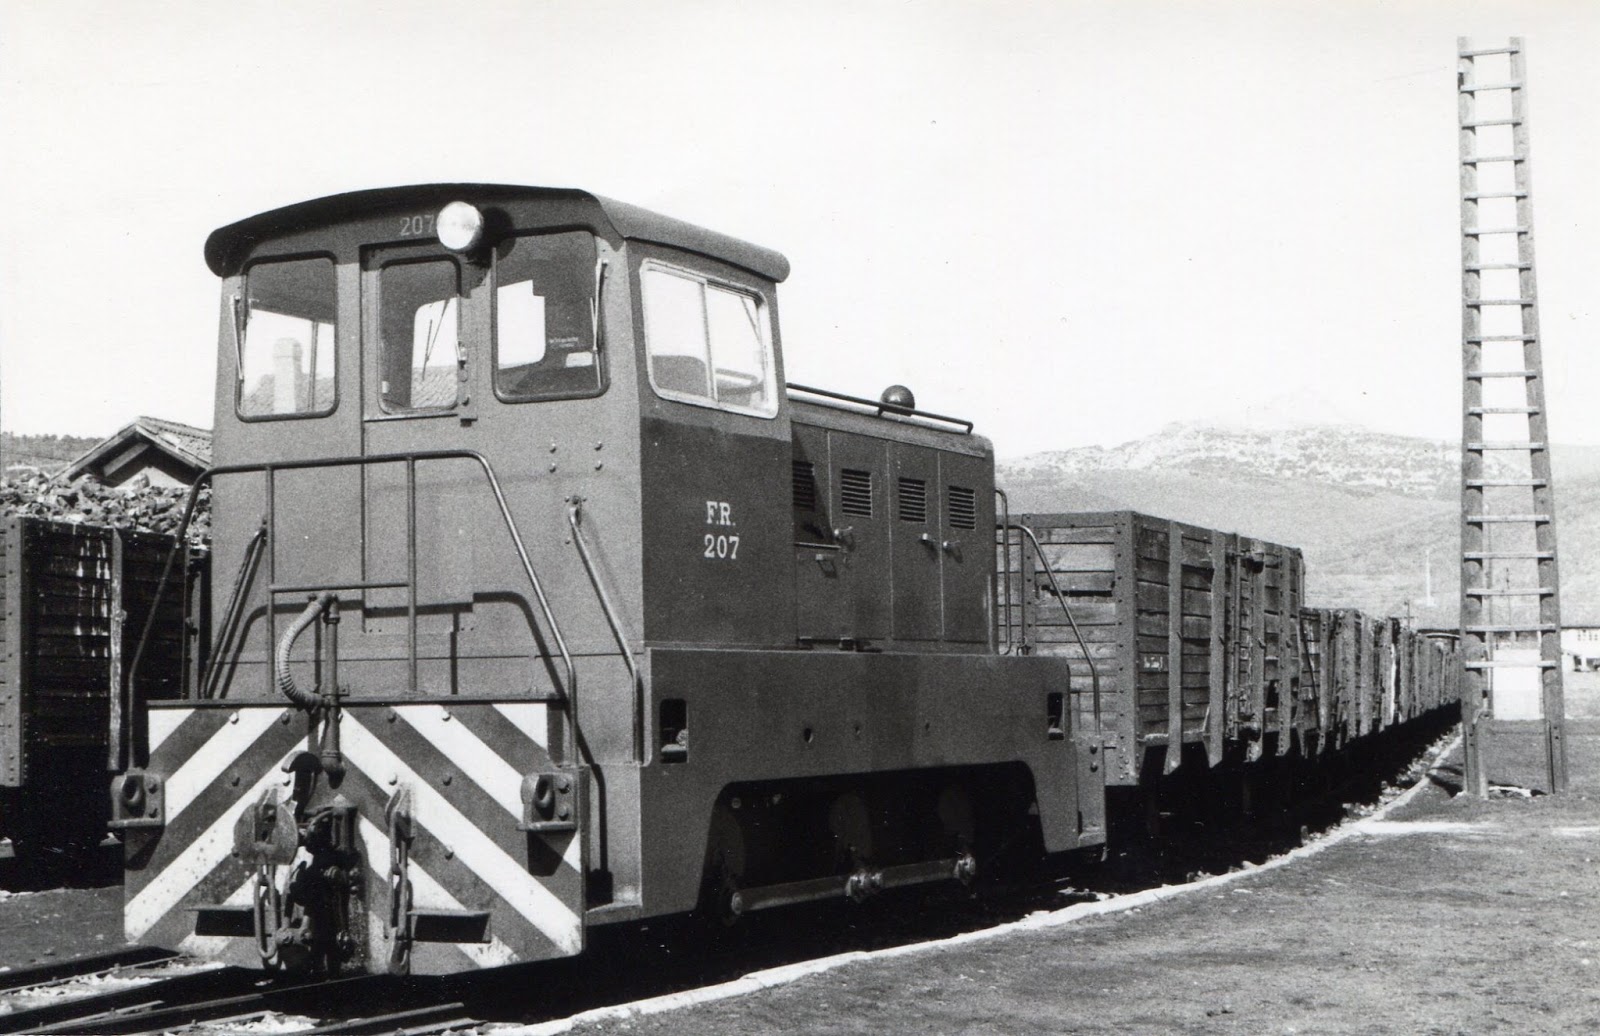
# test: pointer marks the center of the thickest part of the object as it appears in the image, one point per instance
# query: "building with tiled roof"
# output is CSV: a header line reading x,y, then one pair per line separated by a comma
x,y
165,452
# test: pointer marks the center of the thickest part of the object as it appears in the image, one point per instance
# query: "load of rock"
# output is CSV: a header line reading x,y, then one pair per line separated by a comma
x,y
135,506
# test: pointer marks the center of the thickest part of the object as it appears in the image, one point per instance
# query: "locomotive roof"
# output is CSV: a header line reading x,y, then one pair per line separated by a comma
x,y
226,247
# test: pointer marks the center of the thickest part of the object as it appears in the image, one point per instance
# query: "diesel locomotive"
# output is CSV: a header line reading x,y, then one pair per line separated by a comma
x,y
540,601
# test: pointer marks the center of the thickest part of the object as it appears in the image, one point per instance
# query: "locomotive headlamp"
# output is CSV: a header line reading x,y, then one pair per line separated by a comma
x,y
460,226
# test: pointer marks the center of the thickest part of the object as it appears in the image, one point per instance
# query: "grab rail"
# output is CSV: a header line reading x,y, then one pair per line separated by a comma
x,y
575,518
1004,528
878,407
129,682
231,615
1094,672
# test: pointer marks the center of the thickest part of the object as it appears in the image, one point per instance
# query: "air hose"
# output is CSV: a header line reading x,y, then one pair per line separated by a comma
x,y
307,700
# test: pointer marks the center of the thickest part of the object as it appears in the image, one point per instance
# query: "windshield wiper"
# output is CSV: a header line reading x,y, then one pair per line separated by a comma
x,y
238,335
594,302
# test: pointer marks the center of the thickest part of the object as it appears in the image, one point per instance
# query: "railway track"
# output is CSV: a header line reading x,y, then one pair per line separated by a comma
x,y
144,991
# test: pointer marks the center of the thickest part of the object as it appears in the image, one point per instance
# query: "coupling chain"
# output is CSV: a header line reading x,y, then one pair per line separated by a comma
x,y
399,891
266,914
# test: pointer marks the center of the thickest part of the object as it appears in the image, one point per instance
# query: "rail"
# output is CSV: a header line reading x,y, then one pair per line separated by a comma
x,y
269,470
878,407
1055,588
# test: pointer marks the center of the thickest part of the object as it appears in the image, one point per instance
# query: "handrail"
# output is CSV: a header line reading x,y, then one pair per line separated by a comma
x,y
230,616
575,518
1094,672
880,408
1005,572
410,460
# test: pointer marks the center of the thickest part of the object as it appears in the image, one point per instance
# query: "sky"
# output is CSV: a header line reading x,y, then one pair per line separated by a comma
x,y
1072,222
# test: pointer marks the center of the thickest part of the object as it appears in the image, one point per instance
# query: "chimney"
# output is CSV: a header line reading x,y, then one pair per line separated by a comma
x,y
285,376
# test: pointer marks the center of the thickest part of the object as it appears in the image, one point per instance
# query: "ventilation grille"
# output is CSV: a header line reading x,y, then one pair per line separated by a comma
x,y
963,508
855,492
913,500
805,485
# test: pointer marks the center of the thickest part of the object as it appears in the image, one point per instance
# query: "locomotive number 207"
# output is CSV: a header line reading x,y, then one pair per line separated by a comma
x,y
411,226
722,547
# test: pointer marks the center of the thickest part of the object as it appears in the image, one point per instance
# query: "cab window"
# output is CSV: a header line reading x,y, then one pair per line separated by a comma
x,y
419,345
286,353
708,343
545,322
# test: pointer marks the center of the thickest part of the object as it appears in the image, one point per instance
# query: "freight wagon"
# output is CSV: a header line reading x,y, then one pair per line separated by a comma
x,y
74,600
1202,651
1192,634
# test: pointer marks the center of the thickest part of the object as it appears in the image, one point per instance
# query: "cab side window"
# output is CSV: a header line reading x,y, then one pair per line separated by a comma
x,y
286,355
708,343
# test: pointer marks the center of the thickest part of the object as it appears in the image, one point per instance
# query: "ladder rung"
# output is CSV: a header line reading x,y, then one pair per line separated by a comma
x,y
1498,266
1482,232
1538,591
1485,519
1504,663
1487,195
1498,302
1502,410
1508,555
1491,122
1480,483
1532,447
1510,629
1502,374
1470,88
1481,159
1490,51
1502,338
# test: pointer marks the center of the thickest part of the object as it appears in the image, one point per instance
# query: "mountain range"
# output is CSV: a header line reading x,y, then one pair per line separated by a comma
x,y
1375,513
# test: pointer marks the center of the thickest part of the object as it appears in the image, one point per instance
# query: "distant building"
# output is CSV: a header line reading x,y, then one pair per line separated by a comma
x,y
165,452
1580,648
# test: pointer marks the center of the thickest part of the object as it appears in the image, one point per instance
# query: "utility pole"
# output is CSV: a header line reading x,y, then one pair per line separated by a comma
x,y
1512,706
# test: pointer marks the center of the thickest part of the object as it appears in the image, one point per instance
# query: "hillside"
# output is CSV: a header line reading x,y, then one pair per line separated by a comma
x,y
45,452
1370,510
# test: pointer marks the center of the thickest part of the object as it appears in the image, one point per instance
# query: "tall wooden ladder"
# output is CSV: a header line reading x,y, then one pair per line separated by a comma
x,y
1511,694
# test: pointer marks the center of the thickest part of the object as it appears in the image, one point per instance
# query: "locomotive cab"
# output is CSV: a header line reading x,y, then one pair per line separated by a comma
x,y
541,601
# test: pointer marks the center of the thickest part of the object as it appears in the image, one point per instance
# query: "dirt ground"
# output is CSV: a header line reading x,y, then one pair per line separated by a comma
x,y
1450,917
40,926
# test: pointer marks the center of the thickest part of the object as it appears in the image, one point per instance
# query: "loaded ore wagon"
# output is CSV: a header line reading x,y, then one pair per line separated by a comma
x,y
76,597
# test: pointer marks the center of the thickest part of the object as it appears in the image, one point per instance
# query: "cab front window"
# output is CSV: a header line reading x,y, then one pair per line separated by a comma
x,y
418,311
285,322
546,323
